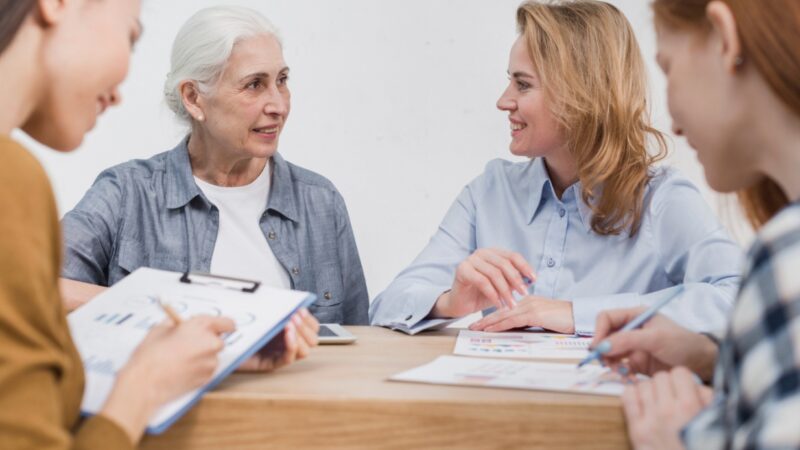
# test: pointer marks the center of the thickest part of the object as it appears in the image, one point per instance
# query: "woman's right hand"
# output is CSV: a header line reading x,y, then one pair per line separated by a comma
x,y
182,357
486,278
659,345
172,360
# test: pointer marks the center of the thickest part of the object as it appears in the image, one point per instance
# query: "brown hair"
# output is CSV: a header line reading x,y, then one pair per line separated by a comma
x,y
12,14
592,72
769,34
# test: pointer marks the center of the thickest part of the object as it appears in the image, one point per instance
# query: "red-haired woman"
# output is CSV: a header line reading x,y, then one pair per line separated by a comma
x,y
733,71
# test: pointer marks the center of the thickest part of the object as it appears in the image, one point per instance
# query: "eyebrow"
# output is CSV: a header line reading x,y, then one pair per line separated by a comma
x,y
262,74
522,75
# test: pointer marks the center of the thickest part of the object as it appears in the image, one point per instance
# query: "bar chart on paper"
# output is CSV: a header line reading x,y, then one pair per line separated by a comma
x,y
521,345
107,330
460,371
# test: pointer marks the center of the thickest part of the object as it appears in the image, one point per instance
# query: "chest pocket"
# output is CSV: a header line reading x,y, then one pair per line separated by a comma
x,y
133,255
130,256
328,307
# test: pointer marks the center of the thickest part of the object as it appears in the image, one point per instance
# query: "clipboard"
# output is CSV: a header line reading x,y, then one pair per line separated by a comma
x,y
207,279
108,329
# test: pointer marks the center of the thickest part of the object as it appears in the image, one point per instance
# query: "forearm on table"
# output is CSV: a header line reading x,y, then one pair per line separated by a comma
x,y
76,293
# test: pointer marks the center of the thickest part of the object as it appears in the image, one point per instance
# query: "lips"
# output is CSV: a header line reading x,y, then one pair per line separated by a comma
x,y
516,126
270,129
102,105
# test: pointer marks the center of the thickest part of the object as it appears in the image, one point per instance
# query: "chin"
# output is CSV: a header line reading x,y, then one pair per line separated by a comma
x,y
56,138
724,183
518,151
261,151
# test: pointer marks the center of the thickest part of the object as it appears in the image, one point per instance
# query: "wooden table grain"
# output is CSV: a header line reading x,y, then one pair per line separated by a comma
x,y
339,398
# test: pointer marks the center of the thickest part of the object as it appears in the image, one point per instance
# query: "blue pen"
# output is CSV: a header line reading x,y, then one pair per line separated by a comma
x,y
640,320
529,283
528,289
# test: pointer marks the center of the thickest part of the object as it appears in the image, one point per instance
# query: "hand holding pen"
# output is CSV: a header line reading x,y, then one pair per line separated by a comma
x,y
659,344
601,348
487,278
173,316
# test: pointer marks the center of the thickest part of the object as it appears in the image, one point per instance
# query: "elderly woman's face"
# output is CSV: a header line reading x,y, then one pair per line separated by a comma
x,y
249,105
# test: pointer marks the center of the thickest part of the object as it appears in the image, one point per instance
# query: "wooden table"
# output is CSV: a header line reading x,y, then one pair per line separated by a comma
x,y
339,398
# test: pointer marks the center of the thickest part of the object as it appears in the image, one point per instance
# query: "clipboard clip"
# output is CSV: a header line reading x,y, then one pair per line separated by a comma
x,y
207,279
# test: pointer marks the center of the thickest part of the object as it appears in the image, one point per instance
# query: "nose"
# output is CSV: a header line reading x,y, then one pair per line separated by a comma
x,y
277,103
114,97
506,102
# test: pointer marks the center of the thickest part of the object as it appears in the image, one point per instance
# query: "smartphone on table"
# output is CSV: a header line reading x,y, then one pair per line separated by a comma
x,y
332,333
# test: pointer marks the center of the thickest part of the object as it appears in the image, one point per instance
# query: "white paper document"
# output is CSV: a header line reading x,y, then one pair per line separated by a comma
x,y
108,329
521,345
463,371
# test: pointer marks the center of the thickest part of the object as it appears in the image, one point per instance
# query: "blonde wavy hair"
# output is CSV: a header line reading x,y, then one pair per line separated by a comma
x,y
587,58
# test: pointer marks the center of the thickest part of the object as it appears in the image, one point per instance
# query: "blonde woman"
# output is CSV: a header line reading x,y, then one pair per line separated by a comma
x,y
589,219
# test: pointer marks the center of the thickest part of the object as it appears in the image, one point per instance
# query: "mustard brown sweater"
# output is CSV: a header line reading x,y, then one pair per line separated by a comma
x,y
41,375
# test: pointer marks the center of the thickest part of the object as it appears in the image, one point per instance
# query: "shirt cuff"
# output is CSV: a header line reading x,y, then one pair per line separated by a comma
x,y
410,310
586,309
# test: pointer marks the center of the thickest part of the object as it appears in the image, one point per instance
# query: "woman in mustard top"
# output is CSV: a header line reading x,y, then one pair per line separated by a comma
x,y
53,89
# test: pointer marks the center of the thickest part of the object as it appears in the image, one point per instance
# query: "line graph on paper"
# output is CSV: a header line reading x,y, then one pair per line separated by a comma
x,y
521,345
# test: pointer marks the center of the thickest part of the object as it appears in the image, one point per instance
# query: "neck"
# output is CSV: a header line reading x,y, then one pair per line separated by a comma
x,y
215,164
562,170
783,161
775,131
19,82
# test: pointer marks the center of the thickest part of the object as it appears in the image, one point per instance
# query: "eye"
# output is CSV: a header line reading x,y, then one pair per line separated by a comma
x,y
283,79
522,86
255,84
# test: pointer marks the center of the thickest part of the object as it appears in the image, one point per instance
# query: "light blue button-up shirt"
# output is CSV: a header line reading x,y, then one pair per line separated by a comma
x,y
513,206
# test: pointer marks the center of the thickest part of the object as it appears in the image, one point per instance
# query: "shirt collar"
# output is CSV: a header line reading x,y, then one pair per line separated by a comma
x,y
282,193
182,189
542,186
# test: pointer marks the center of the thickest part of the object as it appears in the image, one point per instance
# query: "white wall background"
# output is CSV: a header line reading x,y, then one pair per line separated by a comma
x,y
393,101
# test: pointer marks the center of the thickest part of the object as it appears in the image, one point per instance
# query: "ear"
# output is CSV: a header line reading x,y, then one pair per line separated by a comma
x,y
190,96
51,12
723,24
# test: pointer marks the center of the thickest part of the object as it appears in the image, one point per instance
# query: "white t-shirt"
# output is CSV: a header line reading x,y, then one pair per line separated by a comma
x,y
241,249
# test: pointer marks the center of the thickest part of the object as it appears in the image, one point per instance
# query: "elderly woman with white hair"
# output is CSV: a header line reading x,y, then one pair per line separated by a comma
x,y
224,200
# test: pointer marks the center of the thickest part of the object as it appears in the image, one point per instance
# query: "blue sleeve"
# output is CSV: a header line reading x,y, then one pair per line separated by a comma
x,y
356,301
90,230
694,250
409,299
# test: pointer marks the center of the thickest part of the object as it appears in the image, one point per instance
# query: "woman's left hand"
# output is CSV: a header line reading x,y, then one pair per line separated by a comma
x,y
657,409
293,343
531,311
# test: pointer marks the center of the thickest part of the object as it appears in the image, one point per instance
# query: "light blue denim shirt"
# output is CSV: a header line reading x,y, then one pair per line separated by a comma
x,y
513,206
150,213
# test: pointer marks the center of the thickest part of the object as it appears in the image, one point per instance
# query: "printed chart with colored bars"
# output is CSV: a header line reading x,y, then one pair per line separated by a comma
x,y
143,313
521,345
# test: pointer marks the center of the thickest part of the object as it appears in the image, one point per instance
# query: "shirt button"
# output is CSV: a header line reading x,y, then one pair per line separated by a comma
x,y
561,212
271,236
327,295
295,270
551,262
